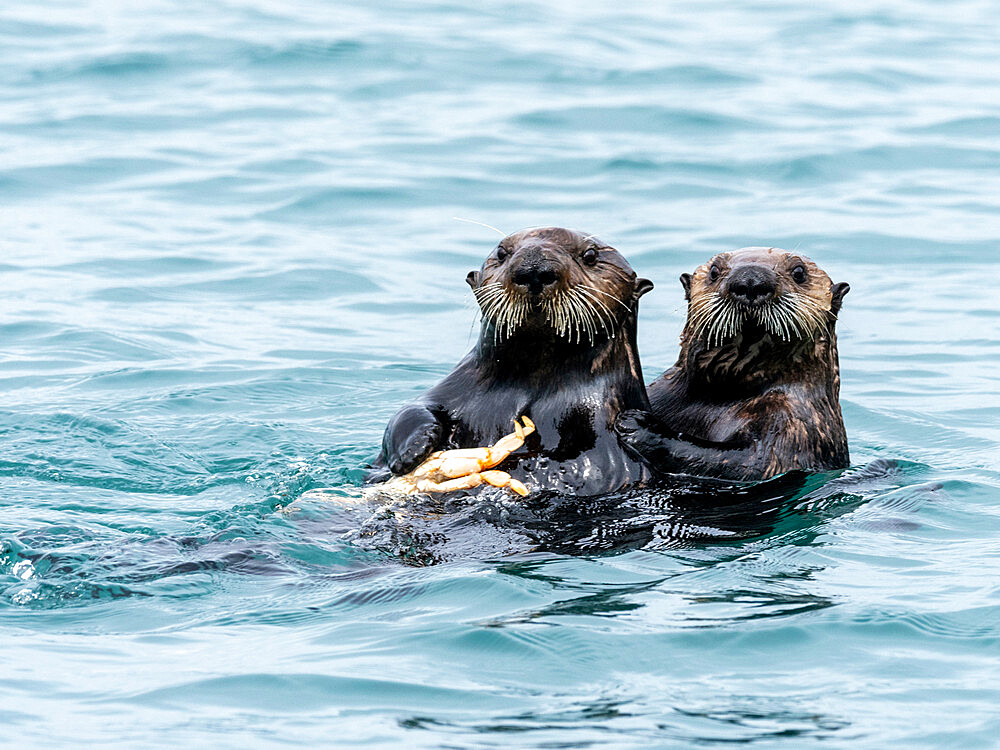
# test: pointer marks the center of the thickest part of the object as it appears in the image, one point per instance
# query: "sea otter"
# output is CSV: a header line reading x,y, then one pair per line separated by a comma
x,y
755,391
557,344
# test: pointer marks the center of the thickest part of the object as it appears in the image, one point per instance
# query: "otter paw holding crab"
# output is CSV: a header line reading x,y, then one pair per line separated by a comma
x,y
465,468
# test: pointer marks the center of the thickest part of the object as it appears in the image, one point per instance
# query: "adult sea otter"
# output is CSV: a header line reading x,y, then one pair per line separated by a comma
x,y
557,345
755,391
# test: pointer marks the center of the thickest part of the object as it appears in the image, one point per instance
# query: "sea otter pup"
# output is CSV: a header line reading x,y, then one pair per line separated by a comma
x,y
755,391
557,345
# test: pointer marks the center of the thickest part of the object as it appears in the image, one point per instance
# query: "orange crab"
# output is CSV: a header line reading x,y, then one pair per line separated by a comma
x,y
463,469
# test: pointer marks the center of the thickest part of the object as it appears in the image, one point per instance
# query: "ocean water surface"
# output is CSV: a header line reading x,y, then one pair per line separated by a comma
x,y
227,256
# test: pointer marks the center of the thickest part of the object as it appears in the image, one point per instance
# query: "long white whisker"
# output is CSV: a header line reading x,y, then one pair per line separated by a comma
x,y
608,325
611,296
588,316
577,317
473,221
593,317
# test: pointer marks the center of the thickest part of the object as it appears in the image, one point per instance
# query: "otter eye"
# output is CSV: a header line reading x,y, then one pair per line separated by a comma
x,y
799,274
714,273
502,254
590,256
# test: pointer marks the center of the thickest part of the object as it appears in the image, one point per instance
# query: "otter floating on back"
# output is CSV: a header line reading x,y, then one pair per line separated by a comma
x,y
557,344
755,391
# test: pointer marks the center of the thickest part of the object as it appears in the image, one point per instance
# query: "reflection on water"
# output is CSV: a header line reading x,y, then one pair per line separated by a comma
x,y
679,512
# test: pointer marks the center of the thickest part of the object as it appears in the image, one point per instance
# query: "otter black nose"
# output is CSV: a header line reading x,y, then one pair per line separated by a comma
x,y
535,276
752,285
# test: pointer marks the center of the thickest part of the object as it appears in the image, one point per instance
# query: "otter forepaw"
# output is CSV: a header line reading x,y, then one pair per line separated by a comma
x,y
415,450
630,422
639,433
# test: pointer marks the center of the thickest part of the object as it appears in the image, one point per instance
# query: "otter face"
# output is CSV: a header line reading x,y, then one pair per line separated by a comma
x,y
779,293
570,283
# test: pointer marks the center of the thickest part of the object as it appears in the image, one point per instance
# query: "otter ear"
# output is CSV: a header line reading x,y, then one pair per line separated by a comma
x,y
641,287
686,283
838,291
472,279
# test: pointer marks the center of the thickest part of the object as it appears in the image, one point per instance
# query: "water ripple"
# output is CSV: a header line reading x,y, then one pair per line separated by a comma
x,y
228,256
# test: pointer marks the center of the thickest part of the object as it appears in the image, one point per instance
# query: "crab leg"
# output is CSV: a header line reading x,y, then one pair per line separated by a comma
x,y
465,468
458,463
503,479
449,485
508,443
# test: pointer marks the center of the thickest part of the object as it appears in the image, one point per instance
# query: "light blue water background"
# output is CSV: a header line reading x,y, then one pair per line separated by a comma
x,y
227,255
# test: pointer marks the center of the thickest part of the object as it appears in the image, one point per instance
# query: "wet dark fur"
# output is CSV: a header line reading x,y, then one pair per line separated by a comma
x,y
754,405
572,389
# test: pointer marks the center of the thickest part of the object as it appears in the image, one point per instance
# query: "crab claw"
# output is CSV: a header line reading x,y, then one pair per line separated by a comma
x,y
506,445
503,479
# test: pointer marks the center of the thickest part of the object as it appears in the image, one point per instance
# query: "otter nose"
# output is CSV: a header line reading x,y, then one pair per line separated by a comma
x,y
535,276
752,285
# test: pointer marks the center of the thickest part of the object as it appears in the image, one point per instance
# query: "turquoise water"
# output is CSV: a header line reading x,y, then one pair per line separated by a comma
x,y
228,255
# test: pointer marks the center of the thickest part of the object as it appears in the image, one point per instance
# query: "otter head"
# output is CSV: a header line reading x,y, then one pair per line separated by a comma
x,y
556,283
760,293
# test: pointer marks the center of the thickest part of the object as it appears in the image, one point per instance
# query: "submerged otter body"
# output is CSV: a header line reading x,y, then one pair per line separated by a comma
x,y
755,391
557,344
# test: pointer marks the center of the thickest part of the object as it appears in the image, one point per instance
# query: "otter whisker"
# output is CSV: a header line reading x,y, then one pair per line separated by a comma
x,y
521,314
772,319
582,316
589,296
766,317
489,305
492,302
486,293
700,312
784,313
574,319
561,316
698,319
553,313
786,320
473,221
807,313
595,318
726,326
733,315
573,314
499,309
487,289
610,296
707,319
603,315
607,324
792,320
716,325
792,317
592,318
714,320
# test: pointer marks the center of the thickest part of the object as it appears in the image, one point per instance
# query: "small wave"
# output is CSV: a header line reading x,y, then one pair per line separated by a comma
x,y
291,285
634,118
